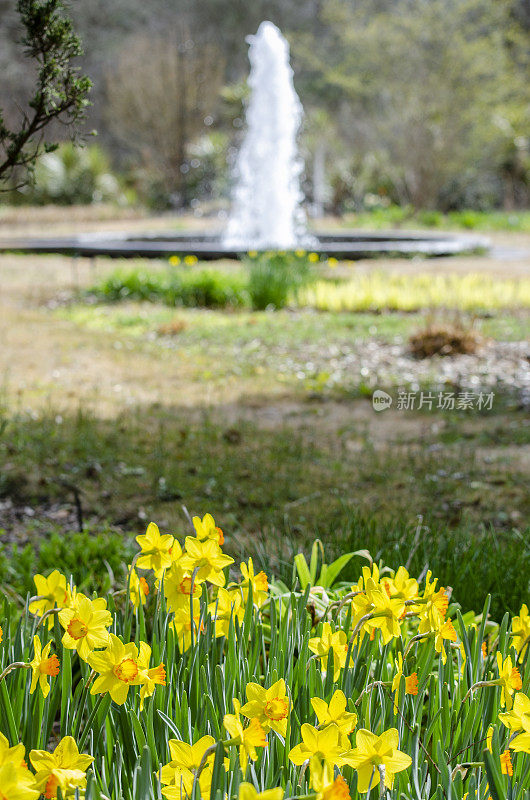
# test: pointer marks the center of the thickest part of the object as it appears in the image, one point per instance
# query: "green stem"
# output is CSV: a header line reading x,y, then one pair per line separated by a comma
x,y
90,720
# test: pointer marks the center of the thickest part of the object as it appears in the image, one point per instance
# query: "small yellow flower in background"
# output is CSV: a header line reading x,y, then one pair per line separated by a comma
x,y
206,528
227,606
181,624
178,588
259,583
300,253
313,258
117,668
518,719
17,784
190,260
86,625
323,749
150,677
156,550
252,253
328,640
42,666
208,558
178,775
138,588
445,632
1,634
521,630
51,592
401,585
174,261
332,262
247,739
509,680
489,739
269,706
248,792
334,713
372,751
506,763
337,790
411,682
65,768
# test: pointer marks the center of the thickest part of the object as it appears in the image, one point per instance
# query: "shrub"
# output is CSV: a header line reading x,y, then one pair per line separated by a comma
x,y
276,277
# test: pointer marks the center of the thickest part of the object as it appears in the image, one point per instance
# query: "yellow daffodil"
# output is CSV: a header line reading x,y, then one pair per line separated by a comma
x,y
117,668
445,632
313,258
247,739
178,587
13,754
269,706
248,792
489,738
387,611
521,631
518,719
227,606
181,624
206,528
207,558
332,262
190,260
372,752
411,682
321,748
174,261
51,593
509,680
150,677
42,666
85,625
329,640
178,775
433,606
17,784
334,713
333,790
506,763
401,585
138,588
156,550
65,768
521,743
259,583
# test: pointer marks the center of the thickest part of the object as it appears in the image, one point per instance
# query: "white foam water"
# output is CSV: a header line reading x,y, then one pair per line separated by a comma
x,y
267,200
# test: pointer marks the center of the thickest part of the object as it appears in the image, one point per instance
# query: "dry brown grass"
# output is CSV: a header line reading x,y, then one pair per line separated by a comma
x,y
444,340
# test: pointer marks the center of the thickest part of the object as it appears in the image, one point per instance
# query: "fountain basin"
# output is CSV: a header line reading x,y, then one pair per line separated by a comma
x,y
346,245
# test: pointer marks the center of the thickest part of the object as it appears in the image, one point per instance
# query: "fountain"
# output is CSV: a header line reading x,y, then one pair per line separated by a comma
x,y
267,205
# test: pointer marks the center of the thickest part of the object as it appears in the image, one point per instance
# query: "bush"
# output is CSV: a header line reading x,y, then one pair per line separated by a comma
x,y
202,289
276,277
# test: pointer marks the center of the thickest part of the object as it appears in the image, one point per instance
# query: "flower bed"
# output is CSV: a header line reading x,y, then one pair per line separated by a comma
x,y
187,683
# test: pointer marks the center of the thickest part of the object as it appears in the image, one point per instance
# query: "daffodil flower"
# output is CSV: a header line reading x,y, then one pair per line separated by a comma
x,y
521,630
227,606
85,625
17,784
334,713
247,739
42,666
518,719
330,640
117,668
411,682
509,680
269,706
207,559
178,587
179,774
321,748
372,752
206,528
138,588
248,792
156,550
65,768
51,593
150,676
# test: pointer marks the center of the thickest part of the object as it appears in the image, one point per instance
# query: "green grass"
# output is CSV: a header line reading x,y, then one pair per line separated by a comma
x,y
272,490
467,219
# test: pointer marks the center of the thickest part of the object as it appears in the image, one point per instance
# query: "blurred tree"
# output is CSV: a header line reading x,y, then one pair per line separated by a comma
x,y
162,92
59,93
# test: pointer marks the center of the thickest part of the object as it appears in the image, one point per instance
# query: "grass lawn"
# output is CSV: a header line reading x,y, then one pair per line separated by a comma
x,y
116,414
